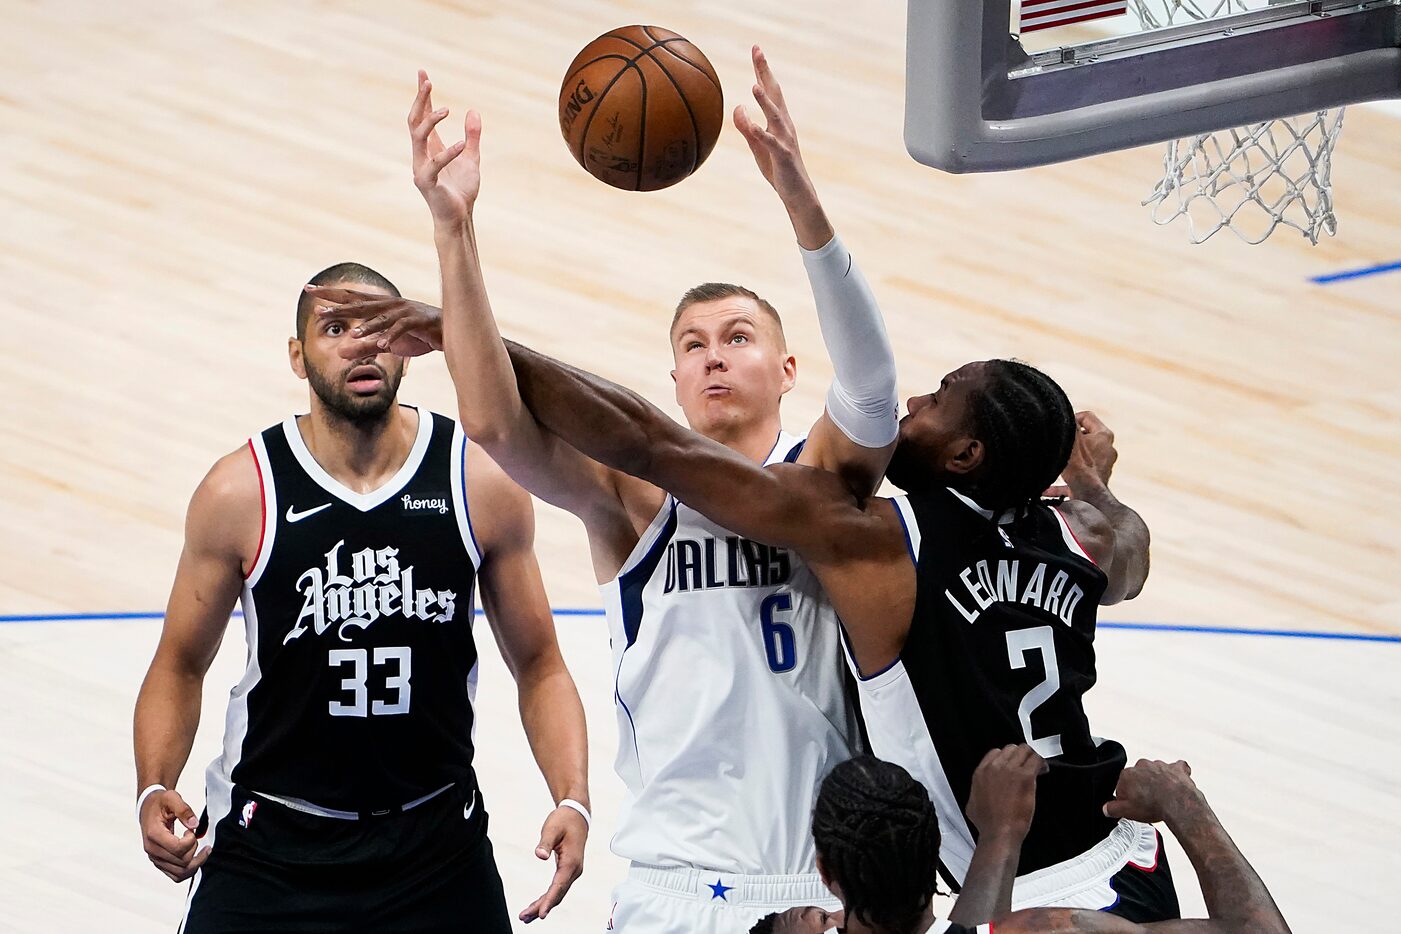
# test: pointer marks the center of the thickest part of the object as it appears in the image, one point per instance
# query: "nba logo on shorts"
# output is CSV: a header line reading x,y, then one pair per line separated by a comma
x,y
246,818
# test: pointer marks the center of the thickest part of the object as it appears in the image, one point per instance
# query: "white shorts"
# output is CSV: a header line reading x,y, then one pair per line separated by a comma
x,y
667,901
1084,881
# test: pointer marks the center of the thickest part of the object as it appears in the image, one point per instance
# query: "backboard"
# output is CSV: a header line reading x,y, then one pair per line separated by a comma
x,y
979,98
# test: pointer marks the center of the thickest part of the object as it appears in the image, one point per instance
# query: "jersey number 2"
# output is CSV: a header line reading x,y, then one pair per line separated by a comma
x,y
1019,643
779,644
360,706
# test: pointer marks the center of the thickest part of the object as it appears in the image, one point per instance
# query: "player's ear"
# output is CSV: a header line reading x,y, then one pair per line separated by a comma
x,y
964,456
295,358
790,372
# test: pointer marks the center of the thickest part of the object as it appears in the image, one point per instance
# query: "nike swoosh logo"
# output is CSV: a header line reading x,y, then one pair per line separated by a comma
x,y
469,807
294,516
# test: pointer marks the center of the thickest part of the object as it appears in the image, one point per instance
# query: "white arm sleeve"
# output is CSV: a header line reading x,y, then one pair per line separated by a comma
x,y
862,399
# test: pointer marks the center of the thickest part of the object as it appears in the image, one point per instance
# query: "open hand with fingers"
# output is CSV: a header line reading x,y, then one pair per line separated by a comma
x,y
1091,459
1152,791
775,149
384,323
448,177
178,856
1002,800
564,834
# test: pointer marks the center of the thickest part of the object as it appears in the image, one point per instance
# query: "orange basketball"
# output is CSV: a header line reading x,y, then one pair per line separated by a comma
x,y
640,108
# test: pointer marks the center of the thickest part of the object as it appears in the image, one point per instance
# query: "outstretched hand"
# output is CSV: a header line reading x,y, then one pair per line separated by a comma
x,y
563,836
775,149
448,177
385,324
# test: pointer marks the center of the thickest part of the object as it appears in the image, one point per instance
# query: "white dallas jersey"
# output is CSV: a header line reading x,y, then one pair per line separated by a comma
x,y
731,696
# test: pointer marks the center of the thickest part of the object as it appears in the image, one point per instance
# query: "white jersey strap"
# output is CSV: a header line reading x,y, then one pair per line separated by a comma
x,y
786,449
458,483
659,523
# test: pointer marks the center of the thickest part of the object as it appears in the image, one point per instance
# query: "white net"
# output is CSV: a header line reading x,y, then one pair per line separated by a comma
x,y
1155,14
1252,179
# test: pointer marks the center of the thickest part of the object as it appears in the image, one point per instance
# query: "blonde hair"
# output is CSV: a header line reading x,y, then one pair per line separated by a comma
x,y
714,291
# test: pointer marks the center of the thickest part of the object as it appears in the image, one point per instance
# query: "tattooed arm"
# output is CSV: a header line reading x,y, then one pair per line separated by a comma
x,y
1237,901
1097,516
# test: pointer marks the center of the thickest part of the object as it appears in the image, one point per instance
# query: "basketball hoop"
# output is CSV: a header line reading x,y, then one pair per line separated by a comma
x,y
1251,179
980,99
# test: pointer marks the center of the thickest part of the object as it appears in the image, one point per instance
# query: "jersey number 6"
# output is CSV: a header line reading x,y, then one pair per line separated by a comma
x,y
779,643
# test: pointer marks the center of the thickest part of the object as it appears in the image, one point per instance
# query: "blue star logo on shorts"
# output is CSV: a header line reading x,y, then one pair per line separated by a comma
x,y
719,889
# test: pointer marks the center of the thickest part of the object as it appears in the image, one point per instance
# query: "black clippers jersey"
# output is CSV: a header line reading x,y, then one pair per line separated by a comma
x,y
1000,651
361,663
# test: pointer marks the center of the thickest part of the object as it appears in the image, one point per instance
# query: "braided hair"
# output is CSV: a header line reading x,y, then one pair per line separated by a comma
x,y
1027,426
878,837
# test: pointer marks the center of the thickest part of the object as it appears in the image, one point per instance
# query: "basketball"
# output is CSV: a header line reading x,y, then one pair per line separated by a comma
x,y
640,108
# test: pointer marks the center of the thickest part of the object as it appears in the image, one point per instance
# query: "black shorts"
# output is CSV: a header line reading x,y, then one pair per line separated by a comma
x,y
428,869
1146,895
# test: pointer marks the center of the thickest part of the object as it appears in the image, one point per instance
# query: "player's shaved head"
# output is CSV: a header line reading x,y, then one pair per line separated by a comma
x,y
340,273
715,291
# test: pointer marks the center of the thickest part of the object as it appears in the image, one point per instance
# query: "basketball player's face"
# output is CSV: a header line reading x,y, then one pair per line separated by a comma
x,y
731,365
360,390
935,444
804,921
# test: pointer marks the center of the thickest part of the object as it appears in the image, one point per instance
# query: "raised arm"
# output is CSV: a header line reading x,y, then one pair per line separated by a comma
x,y
786,505
221,540
856,433
1237,901
489,405
1236,898
1115,535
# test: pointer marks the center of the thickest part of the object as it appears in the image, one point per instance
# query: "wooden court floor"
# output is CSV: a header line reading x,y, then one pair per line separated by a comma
x,y
171,173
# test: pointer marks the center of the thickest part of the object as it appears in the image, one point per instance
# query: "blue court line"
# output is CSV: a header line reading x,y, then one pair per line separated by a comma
x,y
591,611
1242,631
1355,273
73,617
